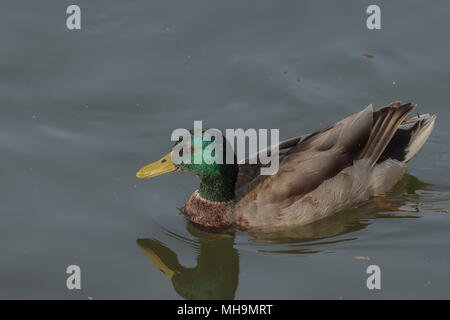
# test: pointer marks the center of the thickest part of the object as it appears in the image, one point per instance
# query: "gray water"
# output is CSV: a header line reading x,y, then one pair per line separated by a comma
x,y
81,111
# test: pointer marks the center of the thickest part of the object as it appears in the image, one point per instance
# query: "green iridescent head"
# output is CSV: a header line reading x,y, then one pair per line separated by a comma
x,y
202,153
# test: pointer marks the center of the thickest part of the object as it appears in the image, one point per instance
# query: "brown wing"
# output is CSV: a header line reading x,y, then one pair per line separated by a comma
x,y
312,159
248,172
385,124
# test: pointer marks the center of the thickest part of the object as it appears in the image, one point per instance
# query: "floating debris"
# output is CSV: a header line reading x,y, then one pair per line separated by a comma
x,y
368,56
285,72
361,258
299,80
316,87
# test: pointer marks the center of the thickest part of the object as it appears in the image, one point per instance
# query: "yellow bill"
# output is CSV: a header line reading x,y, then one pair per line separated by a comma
x,y
159,263
163,165
156,259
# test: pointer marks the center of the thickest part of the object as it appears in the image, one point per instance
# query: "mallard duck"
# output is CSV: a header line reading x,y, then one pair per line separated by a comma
x,y
319,174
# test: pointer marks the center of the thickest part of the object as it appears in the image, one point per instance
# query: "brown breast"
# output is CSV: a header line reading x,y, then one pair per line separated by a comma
x,y
208,213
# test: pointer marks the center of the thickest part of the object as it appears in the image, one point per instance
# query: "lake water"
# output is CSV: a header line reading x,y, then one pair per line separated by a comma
x,y
83,110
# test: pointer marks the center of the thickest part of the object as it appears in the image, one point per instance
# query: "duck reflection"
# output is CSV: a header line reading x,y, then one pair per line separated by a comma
x,y
217,271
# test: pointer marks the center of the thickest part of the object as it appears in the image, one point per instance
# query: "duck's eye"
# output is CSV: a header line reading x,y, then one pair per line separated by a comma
x,y
163,160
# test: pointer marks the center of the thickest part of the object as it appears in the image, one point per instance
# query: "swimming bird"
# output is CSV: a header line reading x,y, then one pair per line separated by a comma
x,y
361,156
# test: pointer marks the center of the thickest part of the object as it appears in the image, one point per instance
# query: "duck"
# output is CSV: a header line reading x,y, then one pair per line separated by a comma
x,y
351,161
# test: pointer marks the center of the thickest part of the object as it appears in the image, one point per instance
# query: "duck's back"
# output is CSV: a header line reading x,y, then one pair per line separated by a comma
x,y
321,173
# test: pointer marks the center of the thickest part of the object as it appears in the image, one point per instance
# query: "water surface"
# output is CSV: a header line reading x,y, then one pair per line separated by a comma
x,y
82,111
